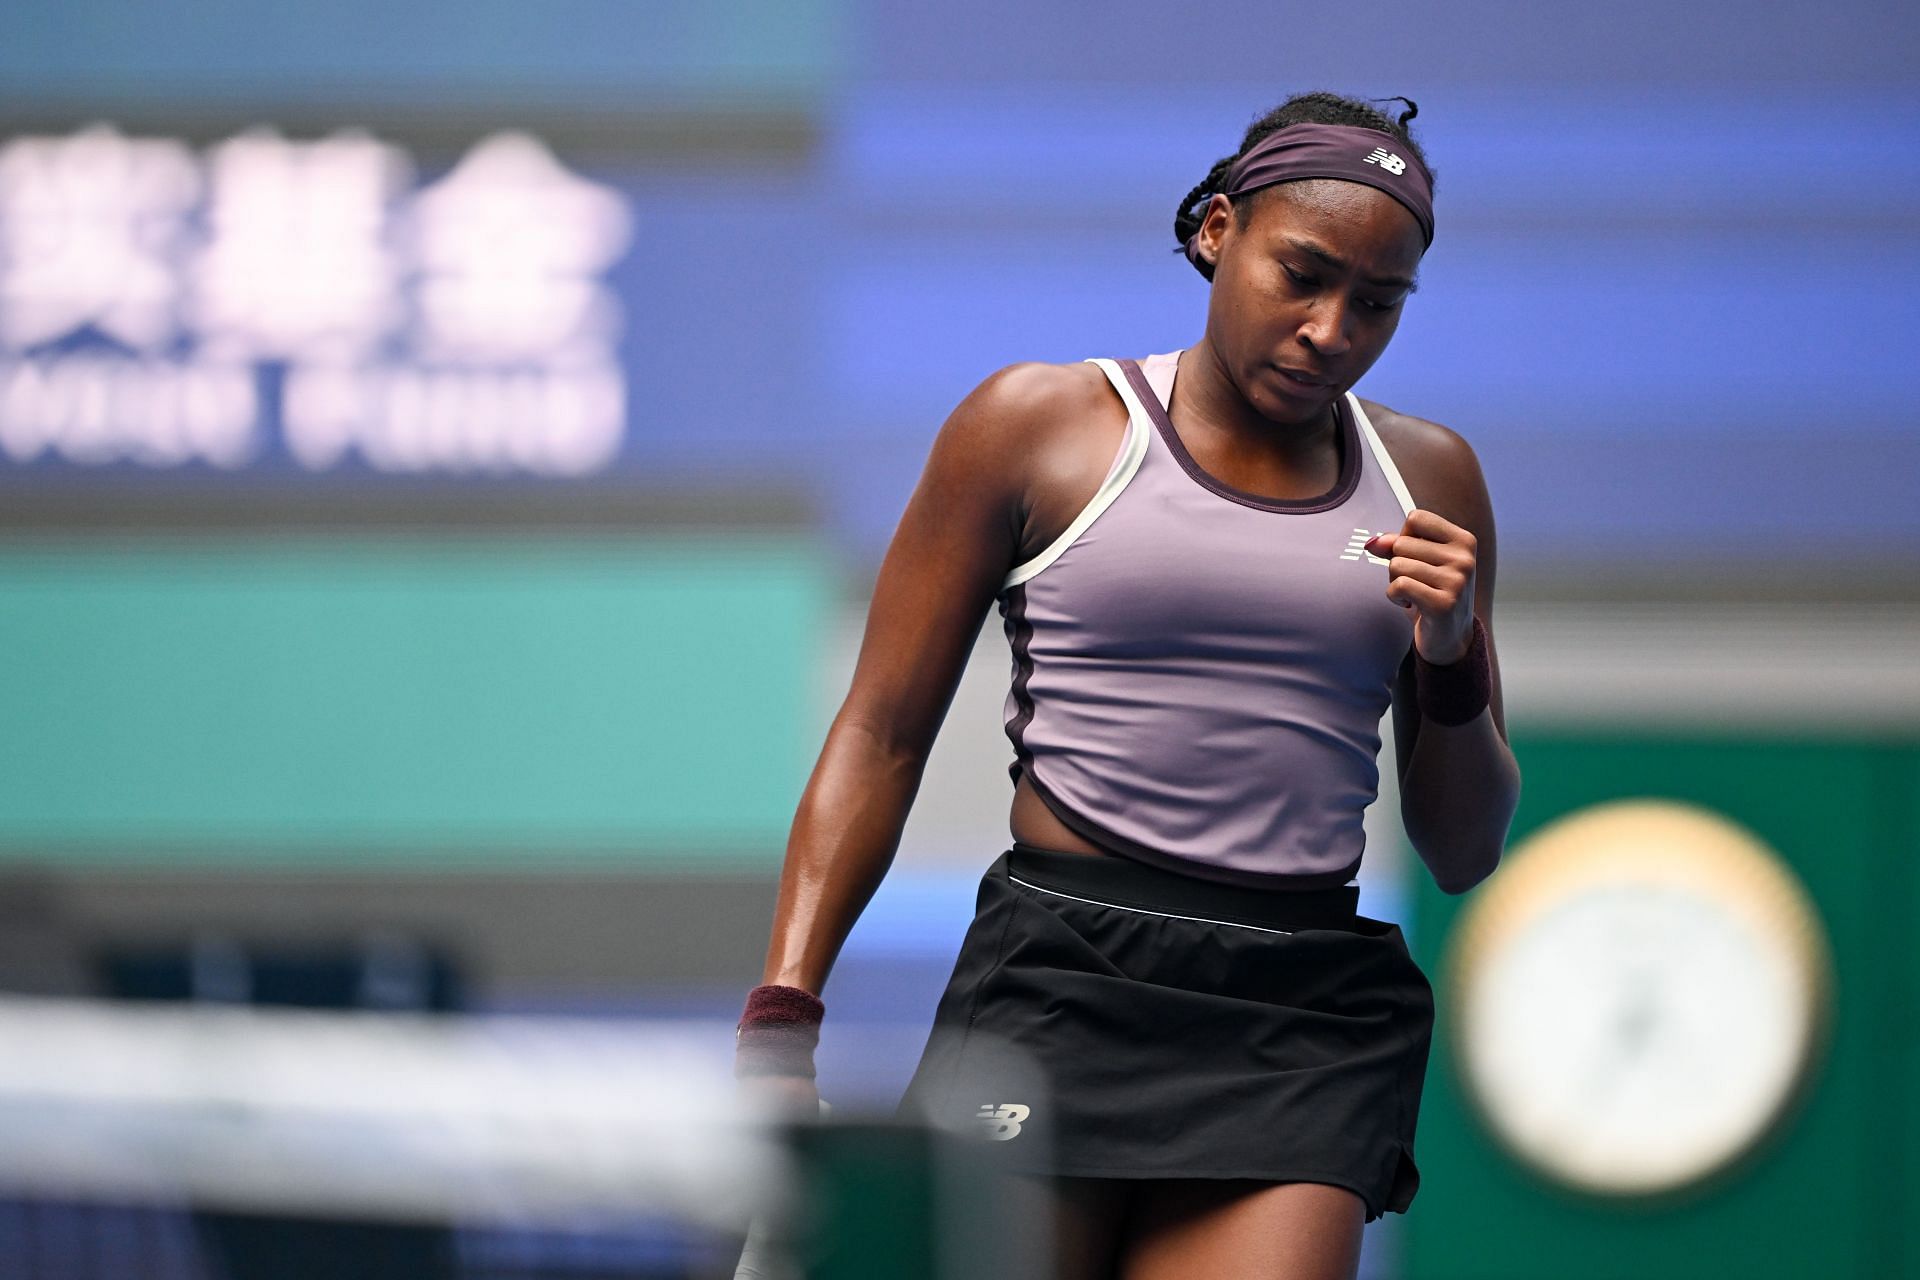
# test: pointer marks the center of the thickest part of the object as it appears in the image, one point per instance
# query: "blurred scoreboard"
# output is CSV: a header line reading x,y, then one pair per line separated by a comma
x,y
346,242
267,301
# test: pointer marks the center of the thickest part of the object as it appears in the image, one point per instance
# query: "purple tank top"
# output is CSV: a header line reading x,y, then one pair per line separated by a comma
x,y
1199,673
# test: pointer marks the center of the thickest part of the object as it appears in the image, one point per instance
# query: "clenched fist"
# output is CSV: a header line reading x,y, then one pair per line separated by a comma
x,y
1430,566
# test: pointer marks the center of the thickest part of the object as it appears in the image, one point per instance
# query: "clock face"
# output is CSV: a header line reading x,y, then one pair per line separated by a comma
x,y
1638,993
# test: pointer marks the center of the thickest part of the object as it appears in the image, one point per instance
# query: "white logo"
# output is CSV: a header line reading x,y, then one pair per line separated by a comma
x,y
1387,160
1003,1120
467,326
89,227
299,260
512,247
1357,548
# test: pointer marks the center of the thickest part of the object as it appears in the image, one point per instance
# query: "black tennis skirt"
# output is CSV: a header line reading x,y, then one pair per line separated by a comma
x,y
1108,1019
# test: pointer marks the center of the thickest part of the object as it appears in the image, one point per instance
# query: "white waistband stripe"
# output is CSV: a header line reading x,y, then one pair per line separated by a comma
x,y
1141,911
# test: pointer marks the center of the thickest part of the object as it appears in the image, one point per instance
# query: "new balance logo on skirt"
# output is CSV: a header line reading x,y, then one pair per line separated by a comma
x,y
1003,1120
1357,548
1387,160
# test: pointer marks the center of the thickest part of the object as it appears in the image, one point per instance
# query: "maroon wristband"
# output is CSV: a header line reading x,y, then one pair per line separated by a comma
x,y
1458,692
778,1033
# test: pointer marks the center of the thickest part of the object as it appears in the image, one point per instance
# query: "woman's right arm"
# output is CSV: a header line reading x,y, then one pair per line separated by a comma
x,y
960,534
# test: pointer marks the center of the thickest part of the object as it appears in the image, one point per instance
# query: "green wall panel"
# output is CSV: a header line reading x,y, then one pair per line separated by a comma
x,y
1824,1198
1900,1064
497,696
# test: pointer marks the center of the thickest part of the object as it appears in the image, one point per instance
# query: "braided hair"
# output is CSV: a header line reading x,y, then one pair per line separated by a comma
x,y
1318,107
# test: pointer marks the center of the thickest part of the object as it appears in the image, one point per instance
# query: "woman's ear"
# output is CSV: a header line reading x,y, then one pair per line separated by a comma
x,y
1213,229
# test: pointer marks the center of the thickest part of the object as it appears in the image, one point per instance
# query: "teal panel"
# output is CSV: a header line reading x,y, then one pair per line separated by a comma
x,y
603,51
497,696
1815,1201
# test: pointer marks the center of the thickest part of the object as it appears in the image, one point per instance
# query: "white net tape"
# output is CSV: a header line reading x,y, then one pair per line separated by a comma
x,y
376,1115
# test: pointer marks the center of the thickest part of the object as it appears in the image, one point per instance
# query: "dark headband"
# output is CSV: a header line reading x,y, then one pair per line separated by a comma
x,y
1348,152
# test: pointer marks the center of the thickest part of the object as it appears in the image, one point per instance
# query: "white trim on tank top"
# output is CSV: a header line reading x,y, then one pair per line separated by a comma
x,y
1380,454
1133,450
1125,463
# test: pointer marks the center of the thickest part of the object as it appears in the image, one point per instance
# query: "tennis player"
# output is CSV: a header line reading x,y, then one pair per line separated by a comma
x,y
1218,570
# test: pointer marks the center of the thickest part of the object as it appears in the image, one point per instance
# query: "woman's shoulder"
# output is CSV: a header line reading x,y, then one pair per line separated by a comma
x,y
1049,422
1042,435
1441,469
1036,395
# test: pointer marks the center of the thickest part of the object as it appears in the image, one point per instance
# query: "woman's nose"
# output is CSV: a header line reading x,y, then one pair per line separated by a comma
x,y
1325,328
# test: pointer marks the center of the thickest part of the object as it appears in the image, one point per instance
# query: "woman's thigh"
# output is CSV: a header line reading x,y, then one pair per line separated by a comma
x,y
1088,1220
1184,1230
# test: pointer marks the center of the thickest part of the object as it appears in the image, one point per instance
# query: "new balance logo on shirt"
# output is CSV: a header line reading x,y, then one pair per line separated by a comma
x,y
1357,548
1003,1120
1387,160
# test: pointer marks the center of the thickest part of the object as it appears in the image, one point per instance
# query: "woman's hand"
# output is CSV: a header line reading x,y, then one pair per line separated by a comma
x,y
1430,570
784,1097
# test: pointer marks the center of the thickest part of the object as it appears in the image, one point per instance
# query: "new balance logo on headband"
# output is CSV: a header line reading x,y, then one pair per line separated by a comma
x,y
1387,160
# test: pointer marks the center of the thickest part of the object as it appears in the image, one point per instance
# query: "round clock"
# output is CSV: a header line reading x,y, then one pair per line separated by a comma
x,y
1639,994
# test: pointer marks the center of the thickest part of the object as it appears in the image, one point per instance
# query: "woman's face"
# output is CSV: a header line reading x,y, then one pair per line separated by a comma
x,y
1307,294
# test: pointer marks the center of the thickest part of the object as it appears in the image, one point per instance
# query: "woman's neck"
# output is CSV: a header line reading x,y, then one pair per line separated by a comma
x,y
1208,401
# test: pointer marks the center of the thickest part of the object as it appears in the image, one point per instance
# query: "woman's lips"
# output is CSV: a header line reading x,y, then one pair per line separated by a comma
x,y
1302,383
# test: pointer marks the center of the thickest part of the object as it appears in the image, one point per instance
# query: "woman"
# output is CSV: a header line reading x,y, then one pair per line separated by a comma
x,y
1218,570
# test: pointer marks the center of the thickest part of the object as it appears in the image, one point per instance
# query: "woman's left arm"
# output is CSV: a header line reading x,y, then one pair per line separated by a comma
x,y
1459,783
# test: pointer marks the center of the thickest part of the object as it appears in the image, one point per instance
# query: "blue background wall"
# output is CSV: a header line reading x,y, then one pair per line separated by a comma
x,y
1671,299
